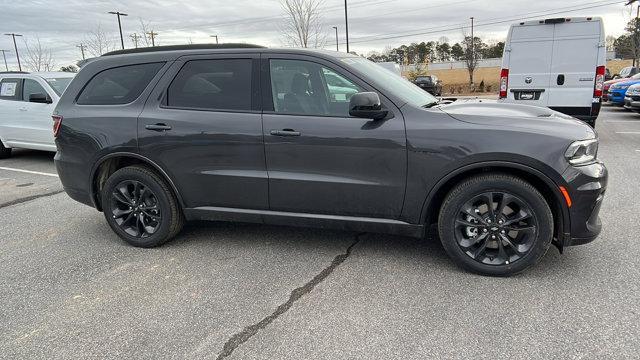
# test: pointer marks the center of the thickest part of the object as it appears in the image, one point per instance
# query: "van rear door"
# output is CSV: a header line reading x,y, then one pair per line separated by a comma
x,y
529,63
577,47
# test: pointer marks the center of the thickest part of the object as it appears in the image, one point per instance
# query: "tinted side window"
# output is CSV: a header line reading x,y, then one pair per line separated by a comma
x,y
31,87
119,85
10,89
307,88
223,84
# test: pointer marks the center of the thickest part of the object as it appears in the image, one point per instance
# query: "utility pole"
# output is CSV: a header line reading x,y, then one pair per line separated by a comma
x,y
16,47
118,14
214,36
473,56
134,38
346,24
152,35
336,28
5,58
81,46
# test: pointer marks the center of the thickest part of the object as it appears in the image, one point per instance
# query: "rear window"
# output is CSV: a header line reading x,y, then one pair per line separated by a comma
x,y
223,84
119,85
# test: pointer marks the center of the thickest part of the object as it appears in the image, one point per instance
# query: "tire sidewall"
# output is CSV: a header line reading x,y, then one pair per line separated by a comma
x,y
160,236
470,189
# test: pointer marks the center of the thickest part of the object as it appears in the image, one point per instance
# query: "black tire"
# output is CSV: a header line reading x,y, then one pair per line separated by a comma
x,y
4,152
519,198
153,207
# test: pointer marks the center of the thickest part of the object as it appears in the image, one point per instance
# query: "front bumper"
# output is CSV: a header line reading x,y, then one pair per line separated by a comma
x,y
616,97
587,186
632,103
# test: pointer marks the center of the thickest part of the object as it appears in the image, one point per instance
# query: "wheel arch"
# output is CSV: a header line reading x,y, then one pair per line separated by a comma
x,y
543,183
110,163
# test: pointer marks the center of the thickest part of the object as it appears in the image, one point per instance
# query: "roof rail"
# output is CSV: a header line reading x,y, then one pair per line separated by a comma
x,y
14,72
183,47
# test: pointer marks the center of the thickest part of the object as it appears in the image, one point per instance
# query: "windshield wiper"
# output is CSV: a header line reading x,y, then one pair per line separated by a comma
x,y
431,104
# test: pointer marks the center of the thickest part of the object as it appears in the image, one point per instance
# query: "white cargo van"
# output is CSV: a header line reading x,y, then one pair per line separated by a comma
x,y
558,63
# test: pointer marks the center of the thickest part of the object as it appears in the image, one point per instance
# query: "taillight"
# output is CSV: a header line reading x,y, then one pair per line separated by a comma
x,y
504,83
57,122
599,84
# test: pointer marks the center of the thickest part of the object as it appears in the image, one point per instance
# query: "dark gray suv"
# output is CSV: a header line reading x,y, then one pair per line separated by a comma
x,y
155,137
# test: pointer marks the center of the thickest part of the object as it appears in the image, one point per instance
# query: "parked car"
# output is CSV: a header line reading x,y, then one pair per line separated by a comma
x,y
632,98
429,83
154,137
607,84
627,72
540,66
617,91
27,101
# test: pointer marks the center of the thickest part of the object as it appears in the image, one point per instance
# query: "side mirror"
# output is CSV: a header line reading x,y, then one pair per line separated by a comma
x,y
367,105
40,98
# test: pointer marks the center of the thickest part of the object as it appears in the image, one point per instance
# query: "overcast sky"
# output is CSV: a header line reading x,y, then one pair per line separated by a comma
x,y
373,24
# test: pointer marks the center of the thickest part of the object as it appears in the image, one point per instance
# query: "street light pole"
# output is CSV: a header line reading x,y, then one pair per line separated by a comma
x,y
16,47
346,24
214,36
336,28
5,58
473,56
118,14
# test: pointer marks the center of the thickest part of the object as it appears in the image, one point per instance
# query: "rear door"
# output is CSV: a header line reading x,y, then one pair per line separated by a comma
x,y
576,47
202,124
529,65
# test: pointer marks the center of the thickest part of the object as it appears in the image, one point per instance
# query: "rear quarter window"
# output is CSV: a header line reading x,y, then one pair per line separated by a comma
x,y
120,85
11,89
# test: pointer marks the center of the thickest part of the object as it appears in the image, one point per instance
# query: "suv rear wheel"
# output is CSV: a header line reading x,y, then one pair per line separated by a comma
x,y
140,207
495,224
4,151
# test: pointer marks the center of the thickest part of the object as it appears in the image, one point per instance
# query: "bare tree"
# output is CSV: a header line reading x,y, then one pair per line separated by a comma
x,y
302,25
38,58
99,42
145,29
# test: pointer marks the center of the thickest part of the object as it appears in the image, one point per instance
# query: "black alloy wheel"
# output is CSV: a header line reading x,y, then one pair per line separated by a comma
x,y
140,207
495,224
135,209
496,228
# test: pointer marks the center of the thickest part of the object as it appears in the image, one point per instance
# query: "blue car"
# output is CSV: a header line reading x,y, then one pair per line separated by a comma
x,y
617,91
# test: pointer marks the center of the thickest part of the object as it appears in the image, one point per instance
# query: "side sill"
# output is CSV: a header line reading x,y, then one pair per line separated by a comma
x,y
352,223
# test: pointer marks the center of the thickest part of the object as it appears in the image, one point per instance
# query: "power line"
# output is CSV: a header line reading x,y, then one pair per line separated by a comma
x,y
463,26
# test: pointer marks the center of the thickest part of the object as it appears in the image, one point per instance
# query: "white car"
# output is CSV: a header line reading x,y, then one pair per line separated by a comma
x,y
27,101
558,63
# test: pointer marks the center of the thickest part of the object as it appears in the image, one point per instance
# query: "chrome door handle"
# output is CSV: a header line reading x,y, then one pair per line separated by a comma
x,y
285,132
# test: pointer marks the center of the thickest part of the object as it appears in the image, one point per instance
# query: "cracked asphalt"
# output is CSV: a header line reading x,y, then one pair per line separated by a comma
x,y
69,288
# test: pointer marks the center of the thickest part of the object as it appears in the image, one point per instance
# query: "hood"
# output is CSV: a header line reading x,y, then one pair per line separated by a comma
x,y
613,81
534,119
626,83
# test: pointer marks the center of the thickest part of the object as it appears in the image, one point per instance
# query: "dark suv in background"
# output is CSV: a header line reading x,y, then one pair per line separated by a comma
x,y
154,137
429,83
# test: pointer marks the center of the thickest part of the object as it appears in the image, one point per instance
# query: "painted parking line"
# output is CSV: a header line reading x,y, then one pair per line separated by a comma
x,y
622,121
28,171
627,132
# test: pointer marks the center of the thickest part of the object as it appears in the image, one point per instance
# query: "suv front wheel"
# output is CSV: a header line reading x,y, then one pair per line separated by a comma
x,y
140,207
495,224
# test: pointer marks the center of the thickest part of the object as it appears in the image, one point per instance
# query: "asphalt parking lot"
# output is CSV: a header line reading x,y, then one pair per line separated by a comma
x,y
70,288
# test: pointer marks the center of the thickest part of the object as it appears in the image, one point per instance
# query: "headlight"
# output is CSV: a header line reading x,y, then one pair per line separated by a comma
x,y
582,152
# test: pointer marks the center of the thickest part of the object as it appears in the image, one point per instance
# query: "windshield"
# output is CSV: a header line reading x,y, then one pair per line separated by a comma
x,y
59,84
423,78
396,84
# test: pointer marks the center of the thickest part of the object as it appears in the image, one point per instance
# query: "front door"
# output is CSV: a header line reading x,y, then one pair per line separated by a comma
x,y
202,124
36,117
319,159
